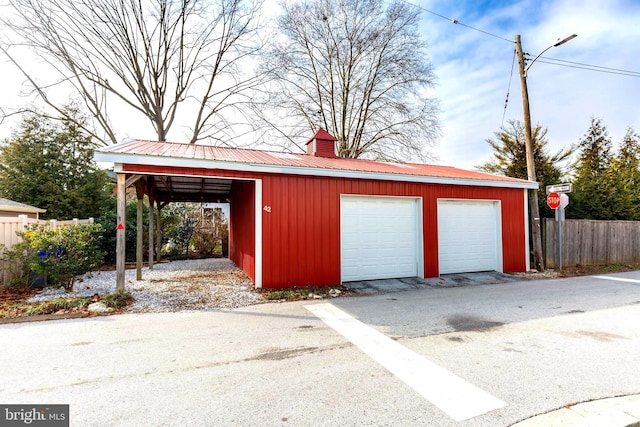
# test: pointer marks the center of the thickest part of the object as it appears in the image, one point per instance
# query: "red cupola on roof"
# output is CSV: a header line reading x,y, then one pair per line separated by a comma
x,y
322,144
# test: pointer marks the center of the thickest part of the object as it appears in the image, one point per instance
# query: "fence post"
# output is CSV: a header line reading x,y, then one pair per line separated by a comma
x,y
560,214
546,239
23,219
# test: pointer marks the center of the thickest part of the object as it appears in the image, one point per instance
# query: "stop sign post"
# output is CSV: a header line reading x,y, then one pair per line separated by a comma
x,y
558,202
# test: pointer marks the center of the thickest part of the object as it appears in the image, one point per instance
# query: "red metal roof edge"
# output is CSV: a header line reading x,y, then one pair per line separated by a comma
x,y
307,161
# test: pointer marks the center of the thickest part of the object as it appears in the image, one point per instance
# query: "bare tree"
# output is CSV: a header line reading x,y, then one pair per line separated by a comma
x,y
359,69
168,61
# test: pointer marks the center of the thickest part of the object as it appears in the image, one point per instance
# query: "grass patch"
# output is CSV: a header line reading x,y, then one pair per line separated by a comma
x,y
587,270
13,303
301,293
57,305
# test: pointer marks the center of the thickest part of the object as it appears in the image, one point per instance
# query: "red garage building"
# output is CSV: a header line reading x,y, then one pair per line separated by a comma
x,y
315,219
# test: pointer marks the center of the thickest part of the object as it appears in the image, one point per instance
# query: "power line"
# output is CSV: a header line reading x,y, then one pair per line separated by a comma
x,y
631,74
589,65
593,68
542,59
506,101
455,21
580,65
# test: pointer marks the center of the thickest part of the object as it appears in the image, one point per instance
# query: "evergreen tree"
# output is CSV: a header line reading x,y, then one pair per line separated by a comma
x,y
594,195
625,173
509,158
50,165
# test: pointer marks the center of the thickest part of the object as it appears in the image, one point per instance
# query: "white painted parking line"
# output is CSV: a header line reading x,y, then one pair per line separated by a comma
x,y
456,397
618,279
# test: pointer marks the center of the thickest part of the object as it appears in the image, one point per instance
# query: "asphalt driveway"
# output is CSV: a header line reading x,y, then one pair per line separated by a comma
x,y
535,345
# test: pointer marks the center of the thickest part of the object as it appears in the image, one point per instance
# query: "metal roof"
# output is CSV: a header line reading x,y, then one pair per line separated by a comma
x,y
201,155
10,205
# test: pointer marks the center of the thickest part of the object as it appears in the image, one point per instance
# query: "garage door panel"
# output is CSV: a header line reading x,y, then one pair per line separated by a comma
x,y
468,236
351,271
378,238
388,253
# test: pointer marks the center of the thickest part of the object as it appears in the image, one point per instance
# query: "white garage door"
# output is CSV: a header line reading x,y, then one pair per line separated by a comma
x,y
379,237
469,236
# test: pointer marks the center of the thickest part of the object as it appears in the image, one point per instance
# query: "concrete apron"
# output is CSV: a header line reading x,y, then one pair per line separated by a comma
x,y
371,287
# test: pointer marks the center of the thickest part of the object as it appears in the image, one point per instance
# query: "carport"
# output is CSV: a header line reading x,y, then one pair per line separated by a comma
x,y
162,189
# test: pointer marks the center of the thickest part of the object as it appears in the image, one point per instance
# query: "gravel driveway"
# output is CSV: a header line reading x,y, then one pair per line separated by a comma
x,y
214,283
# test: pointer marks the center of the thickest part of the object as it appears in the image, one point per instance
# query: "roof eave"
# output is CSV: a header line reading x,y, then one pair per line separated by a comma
x,y
21,209
126,158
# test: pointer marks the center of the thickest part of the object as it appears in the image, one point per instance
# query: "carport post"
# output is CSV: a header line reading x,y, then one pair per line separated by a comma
x,y
159,229
151,231
139,238
120,231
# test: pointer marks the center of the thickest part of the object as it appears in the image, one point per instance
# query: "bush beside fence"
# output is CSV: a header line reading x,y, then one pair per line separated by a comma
x,y
10,226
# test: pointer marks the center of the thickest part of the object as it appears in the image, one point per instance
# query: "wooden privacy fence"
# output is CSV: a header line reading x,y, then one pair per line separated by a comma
x,y
589,242
9,228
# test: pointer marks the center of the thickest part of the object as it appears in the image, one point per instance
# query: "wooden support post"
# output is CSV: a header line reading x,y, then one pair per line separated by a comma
x,y
151,231
139,239
120,231
159,229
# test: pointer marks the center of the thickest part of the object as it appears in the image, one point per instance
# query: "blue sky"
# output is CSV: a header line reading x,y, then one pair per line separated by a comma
x,y
473,70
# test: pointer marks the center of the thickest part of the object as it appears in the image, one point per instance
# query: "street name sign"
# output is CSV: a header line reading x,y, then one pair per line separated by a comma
x,y
559,188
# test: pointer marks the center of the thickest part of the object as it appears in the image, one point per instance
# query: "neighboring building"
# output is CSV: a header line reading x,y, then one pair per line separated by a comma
x,y
315,219
9,208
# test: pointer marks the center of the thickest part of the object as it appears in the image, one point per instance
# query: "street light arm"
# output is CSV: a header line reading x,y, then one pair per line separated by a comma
x,y
556,44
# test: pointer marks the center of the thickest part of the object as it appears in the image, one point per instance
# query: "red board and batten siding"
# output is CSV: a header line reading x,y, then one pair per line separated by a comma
x,y
301,233
242,230
305,221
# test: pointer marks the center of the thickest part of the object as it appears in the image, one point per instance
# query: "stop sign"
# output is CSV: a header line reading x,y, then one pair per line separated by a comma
x,y
553,200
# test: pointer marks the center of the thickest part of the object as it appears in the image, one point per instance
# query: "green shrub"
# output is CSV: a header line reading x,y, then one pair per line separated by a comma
x,y
109,221
118,299
12,260
204,243
61,254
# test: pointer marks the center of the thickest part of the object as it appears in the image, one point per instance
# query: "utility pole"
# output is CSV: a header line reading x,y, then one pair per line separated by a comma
x,y
531,169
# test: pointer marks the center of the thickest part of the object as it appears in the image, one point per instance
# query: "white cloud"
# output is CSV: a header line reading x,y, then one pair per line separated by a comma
x,y
473,70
